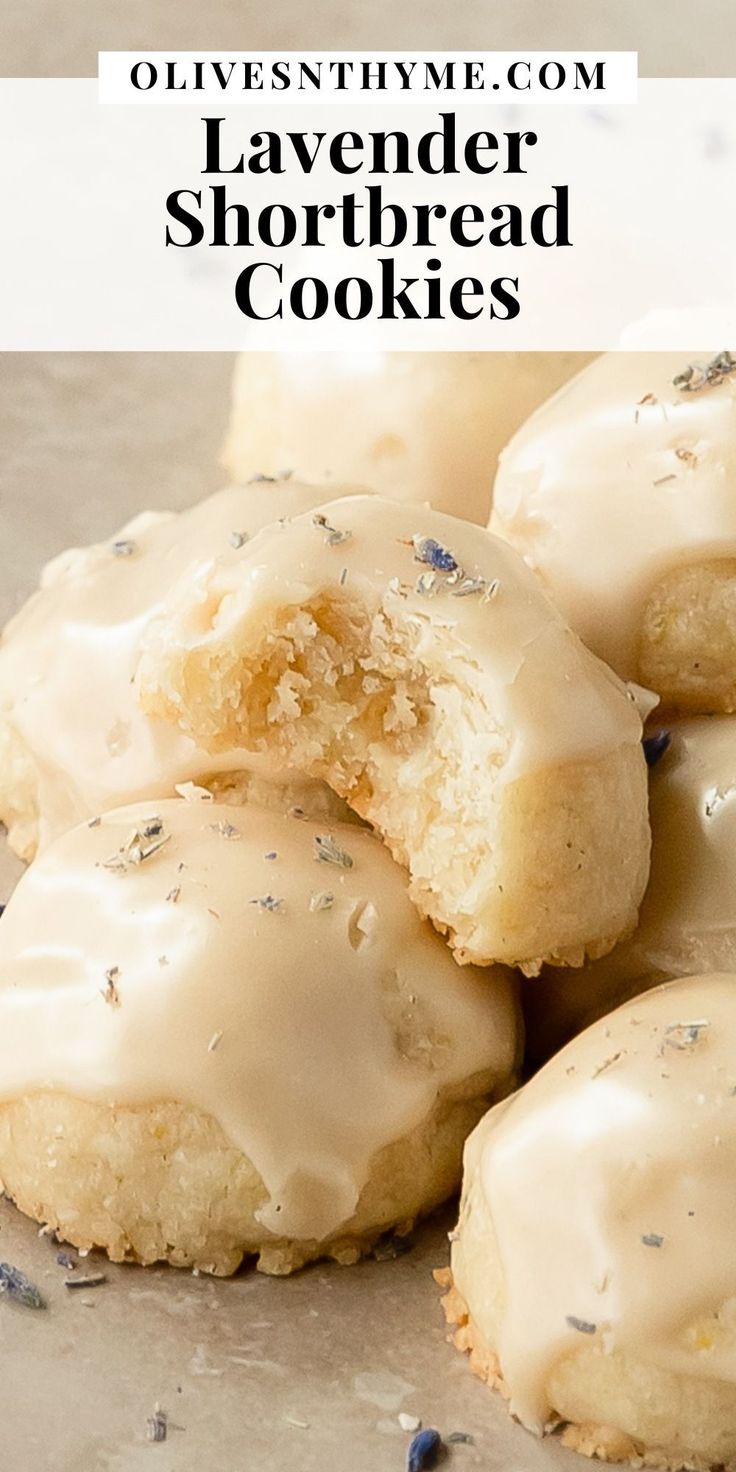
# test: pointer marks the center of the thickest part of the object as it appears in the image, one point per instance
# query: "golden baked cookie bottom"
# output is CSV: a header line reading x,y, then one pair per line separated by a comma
x,y
589,1438
162,1182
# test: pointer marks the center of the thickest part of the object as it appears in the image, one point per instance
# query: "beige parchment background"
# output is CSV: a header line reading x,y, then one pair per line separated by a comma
x,y
43,38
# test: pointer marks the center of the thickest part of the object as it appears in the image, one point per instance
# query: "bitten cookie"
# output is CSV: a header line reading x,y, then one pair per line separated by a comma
x,y
415,426
687,922
411,661
620,493
227,1033
73,739
593,1264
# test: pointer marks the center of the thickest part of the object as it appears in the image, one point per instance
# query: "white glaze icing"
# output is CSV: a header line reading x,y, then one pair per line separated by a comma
x,y
335,1029
415,426
626,1134
687,921
68,657
617,480
551,698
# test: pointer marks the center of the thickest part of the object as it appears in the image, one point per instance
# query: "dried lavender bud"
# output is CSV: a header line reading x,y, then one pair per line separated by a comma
x,y
65,1260
92,1280
468,586
652,1239
424,1449
157,1425
460,1438
124,549
655,746
110,991
328,852
583,1326
697,376
138,847
427,549
333,536
684,1035
321,902
269,903
18,1287
606,1064
690,379
225,830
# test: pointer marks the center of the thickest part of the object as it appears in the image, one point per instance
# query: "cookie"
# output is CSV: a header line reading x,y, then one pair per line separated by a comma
x,y
228,1033
619,492
592,1268
411,661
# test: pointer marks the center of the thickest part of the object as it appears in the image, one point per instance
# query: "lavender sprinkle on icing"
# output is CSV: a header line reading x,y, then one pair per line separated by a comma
x,y
583,1326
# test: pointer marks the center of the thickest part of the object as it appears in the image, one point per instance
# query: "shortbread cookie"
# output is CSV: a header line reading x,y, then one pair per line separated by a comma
x,y
593,1263
73,740
226,1033
620,492
411,661
687,922
422,427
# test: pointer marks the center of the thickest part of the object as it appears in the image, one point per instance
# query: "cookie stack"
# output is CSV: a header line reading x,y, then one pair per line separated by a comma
x,y
591,1272
316,785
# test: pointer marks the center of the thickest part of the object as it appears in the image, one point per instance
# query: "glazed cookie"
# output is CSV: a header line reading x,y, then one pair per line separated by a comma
x,y
411,661
226,1033
620,493
593,1266
73,740
415,426
687,922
